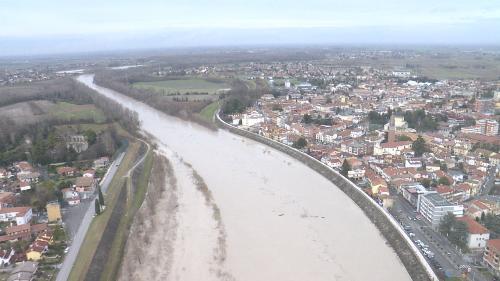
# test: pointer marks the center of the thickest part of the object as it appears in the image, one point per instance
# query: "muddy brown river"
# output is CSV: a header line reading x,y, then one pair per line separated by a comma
x,y
267,216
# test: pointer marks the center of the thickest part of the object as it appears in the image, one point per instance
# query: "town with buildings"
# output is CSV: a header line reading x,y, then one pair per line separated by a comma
x,y
39,214
426,150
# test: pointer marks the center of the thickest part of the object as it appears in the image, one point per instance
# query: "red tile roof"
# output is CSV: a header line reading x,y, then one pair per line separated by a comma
x,y
494,243
473,226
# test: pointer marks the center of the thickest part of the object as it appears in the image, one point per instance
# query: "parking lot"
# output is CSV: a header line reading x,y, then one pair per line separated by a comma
x,y
73,216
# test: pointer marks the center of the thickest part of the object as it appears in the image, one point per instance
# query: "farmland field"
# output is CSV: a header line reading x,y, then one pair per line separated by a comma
x,y
67,111
183,86
35,111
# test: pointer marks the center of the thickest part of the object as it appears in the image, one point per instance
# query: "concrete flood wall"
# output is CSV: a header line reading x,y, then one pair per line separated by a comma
x,y
413,260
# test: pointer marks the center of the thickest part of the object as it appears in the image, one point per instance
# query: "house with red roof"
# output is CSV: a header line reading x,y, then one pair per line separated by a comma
x,y
477,235
21,215
477,207
66,171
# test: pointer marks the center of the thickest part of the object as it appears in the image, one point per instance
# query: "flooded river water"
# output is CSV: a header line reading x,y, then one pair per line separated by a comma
x,y
261,214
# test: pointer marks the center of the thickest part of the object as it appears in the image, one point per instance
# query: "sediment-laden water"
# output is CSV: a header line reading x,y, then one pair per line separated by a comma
x,y
244,211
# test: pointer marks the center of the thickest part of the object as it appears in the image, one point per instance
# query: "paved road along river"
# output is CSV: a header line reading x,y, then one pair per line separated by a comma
x,y
266,217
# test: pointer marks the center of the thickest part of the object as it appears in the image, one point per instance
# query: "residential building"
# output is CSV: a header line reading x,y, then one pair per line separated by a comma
x,y
484,105
488,127
76,142
89,173
6,199
477,235
391,148
492,255
66,171
85,185
413,163
353,147
356,174
413,192
36,250
252,119
21,215
102,162
434,207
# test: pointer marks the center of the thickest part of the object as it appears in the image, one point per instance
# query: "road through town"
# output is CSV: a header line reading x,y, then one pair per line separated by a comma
x,y
78,238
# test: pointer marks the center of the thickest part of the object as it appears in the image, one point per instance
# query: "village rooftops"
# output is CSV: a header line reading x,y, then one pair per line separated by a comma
x,y
395,144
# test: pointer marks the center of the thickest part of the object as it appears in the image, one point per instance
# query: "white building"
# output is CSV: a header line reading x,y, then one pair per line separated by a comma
x,y
391,148
326,136
413,193
21,215
434,207
413,163
401,73
477,235
356,174
252,119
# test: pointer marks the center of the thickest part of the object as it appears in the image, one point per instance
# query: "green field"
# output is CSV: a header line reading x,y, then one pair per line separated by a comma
x,y
208,112
68,111
183,86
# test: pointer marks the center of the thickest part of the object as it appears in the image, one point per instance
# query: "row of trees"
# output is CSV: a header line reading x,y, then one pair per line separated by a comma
x,y
379,119
62,89
241,96
419,146
319,120
300,143
421,121
99,201
418,119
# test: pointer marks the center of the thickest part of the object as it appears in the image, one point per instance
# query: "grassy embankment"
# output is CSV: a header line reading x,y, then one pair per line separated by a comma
x,y
135,197
100,222
208,111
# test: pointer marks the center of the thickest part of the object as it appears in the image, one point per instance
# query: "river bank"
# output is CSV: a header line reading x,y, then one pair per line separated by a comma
x,y
414,262
268,217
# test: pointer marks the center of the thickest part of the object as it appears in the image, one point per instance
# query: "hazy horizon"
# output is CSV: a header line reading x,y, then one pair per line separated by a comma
x,y
32,27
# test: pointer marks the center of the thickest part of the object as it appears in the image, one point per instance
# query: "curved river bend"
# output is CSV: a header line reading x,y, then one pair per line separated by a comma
x,y
281,220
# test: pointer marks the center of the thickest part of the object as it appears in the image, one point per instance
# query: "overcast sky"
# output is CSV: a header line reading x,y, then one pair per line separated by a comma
x,y
41,26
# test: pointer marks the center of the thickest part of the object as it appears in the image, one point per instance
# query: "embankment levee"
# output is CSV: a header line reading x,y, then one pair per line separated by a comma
x,y
408,253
